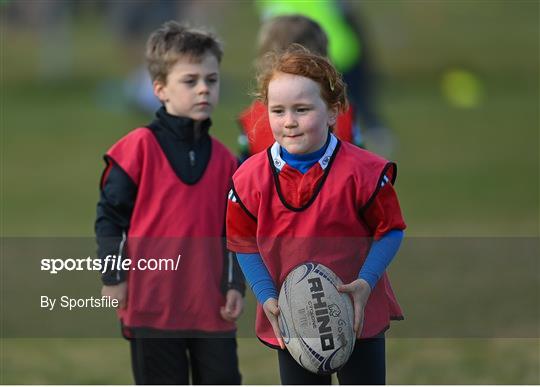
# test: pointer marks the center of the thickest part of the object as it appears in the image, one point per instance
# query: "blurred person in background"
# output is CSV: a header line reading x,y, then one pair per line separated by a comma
x,y
52,21
276,35
348,49
132,22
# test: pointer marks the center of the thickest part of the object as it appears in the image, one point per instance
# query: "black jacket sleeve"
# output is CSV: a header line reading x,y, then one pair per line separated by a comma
x,y
233,278
114,209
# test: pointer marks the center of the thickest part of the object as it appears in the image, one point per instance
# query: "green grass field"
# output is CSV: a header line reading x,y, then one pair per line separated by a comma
x,y
462,172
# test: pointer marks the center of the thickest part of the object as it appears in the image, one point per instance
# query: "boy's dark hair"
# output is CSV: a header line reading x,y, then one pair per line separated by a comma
x,y
279,32
173,40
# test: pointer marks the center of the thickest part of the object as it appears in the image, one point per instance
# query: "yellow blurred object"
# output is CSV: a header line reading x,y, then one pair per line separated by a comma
x,y
462,88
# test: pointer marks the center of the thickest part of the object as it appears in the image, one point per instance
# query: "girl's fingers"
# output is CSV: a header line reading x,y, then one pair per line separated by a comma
x,y
277,332
345,288
272,313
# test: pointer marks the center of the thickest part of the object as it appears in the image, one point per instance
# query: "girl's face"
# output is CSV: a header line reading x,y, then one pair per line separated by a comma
x,y
299,117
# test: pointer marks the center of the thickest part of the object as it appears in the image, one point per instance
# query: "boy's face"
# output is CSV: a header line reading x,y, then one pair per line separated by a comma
x,y
299,117
192,87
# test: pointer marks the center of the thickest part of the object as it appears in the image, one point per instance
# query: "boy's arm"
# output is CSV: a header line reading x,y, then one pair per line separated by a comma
x,y
232,277
114,209
232,274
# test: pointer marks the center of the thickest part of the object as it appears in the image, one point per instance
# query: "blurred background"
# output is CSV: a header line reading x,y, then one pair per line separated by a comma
x,y
457,90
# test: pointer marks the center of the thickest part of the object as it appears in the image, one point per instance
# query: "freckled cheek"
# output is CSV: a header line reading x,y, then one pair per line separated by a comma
x,y
308,126
276,133
275,125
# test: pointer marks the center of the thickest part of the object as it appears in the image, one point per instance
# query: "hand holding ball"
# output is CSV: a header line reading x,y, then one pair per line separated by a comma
x,y
315,319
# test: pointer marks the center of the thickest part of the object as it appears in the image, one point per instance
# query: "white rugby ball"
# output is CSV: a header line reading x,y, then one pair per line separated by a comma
x,y
316,321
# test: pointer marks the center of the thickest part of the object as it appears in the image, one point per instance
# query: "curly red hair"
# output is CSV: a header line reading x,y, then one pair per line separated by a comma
x,y
297,60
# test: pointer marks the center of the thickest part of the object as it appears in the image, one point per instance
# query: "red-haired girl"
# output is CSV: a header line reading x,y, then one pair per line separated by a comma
x,y
311,197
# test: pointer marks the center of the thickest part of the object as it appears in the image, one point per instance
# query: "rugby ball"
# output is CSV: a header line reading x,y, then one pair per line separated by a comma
x,y
315,320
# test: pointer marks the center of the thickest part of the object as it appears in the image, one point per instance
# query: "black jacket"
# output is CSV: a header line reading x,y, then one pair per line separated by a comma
x,y
188,155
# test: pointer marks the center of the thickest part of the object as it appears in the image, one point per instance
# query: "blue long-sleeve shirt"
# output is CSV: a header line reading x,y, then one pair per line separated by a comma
x,y
379,257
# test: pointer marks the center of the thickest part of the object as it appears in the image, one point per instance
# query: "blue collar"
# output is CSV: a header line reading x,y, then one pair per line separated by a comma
x,y
304,162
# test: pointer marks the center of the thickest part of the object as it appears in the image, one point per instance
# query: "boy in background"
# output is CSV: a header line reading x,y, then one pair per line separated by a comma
x,y
276,35
163,194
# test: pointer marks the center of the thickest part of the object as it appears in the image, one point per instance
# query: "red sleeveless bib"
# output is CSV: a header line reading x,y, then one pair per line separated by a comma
x,y
172,218
329,229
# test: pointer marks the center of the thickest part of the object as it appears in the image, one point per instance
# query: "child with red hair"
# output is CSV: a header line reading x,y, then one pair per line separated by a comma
x,y
311,197
276,35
